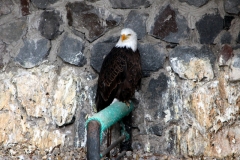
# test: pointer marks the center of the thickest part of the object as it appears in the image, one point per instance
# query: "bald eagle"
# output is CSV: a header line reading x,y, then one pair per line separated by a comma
x,y
121,73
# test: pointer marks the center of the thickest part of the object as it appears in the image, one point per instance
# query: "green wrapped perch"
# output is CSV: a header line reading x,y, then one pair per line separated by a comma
x,y
110,115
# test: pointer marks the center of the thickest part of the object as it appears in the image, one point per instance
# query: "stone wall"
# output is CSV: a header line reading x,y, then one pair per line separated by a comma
x,y
51,52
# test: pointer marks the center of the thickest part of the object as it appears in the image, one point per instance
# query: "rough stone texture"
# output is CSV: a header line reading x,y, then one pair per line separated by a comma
x,y
33,97
137,21
232,6
42,4
65,99
49,24
129,4
7,34
169,26
196,3
27,95
209,27
39,104
211,114
33,53
188,105
193,64
92,21
226,139
71,51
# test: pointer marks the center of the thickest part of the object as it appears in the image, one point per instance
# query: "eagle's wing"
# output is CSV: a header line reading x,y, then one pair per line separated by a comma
x,y
123,66
111,74
136,70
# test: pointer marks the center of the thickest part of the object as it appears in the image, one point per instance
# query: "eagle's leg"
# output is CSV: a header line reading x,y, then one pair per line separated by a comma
x,y
109,137
126,145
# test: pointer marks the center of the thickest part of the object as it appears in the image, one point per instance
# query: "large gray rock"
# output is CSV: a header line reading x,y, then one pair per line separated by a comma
x,y
156,87
152,57
232,6
137,21
42,4
71,51
12,31
209,27
169,26
49,24
129,4
94,22
192,63
33,53
196,3
99,51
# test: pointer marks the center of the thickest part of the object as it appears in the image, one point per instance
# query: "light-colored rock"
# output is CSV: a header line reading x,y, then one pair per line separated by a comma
x,y
10,129
213,104
64,99
7,93
196,69
192,143
35,89
14,130
45,139
25,94
190,62
222,143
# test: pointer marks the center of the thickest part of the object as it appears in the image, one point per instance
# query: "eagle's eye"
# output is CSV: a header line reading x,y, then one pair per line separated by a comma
x,y
129,34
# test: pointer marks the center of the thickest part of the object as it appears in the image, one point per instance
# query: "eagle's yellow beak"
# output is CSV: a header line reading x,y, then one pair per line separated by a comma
x,y
123,37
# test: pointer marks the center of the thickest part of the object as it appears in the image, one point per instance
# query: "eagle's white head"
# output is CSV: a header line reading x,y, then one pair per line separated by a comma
x,y
128,39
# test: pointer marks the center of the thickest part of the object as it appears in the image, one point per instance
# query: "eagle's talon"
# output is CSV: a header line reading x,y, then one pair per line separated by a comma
x,y
127,103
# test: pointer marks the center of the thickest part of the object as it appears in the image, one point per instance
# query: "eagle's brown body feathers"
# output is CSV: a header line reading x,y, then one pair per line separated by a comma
x,y
119,77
